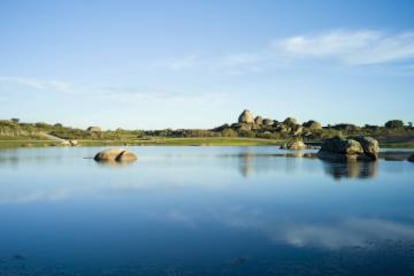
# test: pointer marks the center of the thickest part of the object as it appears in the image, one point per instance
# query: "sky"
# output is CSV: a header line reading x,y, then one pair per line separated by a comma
x,y
198,64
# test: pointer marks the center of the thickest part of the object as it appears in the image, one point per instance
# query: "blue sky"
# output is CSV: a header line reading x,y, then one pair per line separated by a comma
x,y
188,64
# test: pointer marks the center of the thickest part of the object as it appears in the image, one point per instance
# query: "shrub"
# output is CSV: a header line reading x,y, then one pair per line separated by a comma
x,y
394,124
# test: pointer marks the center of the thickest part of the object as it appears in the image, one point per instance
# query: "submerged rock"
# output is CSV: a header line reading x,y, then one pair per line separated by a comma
x,y
355,148
115,155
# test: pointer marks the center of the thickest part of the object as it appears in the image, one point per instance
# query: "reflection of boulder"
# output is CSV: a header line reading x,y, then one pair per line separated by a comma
x,y
356,148
246,163
351,169
411,158
115,155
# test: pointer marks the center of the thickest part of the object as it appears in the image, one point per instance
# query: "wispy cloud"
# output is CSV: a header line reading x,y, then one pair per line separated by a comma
x,y
346,47
38,84
350,47
128,95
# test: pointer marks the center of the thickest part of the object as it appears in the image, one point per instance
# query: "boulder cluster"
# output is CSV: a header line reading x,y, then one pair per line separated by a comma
x,y
247,122
352,148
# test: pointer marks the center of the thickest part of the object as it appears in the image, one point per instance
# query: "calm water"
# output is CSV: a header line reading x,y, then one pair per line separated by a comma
x,y
203,211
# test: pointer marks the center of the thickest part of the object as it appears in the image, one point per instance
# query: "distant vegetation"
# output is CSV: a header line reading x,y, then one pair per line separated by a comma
x,y
392,133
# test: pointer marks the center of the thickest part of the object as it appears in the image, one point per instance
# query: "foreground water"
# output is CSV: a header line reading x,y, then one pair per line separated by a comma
x,y
203,211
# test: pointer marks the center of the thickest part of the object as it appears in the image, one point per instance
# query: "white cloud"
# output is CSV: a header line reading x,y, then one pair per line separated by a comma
x,y
344,233
360,47
351,47
38,84
350,232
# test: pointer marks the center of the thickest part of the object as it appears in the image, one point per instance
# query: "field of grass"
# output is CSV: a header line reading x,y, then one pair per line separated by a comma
x,y
15,143
203,141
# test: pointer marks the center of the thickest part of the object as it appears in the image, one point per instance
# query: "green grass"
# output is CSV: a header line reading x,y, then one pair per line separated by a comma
x,y
398,145
162,141
26,143
16,143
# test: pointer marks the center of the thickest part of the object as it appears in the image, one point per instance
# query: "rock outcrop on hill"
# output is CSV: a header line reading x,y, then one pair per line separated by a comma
x,y
246,117
94,129
311,124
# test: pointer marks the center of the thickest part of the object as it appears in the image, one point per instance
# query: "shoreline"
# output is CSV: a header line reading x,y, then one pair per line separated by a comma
x,y
162,141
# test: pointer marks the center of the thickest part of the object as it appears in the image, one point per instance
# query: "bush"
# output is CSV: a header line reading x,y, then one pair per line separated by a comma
x,y
394,124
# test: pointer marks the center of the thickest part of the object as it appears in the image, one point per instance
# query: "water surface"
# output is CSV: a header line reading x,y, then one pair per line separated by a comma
x,y
203,211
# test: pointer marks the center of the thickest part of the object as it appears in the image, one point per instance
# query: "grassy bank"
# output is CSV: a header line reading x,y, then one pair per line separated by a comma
x,y
162,141
16,143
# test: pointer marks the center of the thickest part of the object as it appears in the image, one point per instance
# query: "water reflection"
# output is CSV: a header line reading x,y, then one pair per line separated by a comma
x,y
332,235
250,162
180,205
351,169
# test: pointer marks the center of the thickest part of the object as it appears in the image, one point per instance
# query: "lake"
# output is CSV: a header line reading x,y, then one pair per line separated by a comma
x,y
203,211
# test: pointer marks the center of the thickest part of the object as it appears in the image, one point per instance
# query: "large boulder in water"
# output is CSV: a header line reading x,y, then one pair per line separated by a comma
x,y
115,155
246,117
369,145
294,145
411,158
356,148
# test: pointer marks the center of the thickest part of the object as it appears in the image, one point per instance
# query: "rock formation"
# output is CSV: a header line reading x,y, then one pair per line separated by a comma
x,y
94,129
115,155
290,121
294,145
258,120
246,117
311,124
354,148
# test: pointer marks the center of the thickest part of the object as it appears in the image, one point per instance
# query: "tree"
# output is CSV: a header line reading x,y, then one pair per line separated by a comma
x,y
410,124
15,120
394,124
